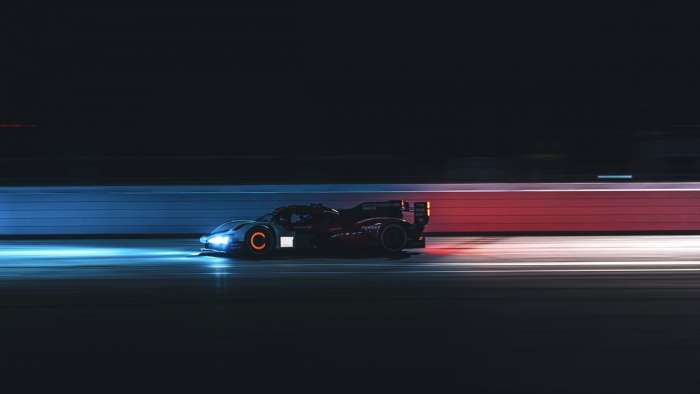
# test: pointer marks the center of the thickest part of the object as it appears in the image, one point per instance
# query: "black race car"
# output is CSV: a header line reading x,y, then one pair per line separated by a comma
x,y
367,225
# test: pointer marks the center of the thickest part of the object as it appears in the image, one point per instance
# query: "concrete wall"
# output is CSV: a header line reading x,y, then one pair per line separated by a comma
x,y
501,207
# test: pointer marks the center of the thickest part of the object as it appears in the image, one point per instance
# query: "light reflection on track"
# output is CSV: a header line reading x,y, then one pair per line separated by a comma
x,y
172,258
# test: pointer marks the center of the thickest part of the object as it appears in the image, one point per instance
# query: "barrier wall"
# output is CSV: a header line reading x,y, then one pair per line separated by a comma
x,y
513,207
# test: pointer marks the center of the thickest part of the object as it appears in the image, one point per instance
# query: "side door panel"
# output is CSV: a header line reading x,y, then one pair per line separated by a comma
x,y
305,235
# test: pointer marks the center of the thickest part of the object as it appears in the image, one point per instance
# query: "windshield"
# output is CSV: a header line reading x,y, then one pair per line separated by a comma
x,y
224,227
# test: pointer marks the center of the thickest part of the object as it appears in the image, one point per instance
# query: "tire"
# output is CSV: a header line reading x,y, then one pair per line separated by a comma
x,y
393,238
259,241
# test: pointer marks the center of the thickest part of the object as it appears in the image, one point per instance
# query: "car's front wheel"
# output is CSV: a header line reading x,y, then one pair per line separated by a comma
x,y
259,241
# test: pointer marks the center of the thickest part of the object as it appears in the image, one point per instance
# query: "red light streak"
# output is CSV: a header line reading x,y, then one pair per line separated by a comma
x,y
16,125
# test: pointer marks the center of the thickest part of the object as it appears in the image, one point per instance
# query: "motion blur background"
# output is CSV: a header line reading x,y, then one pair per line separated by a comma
x,y
135,121
261,92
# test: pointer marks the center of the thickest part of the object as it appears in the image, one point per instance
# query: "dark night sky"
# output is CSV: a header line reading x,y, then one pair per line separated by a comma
x,y
296,79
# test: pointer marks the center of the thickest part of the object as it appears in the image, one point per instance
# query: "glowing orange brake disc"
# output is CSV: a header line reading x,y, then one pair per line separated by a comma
x,y
253,243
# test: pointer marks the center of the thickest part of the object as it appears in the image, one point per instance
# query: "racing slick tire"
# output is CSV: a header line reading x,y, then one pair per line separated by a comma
x,y
393,238
259,241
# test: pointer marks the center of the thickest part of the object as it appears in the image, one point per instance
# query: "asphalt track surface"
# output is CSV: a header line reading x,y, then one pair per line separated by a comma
x,y
488,314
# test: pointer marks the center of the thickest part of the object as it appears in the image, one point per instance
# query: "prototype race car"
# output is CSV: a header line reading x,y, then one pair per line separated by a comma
x,y
367,225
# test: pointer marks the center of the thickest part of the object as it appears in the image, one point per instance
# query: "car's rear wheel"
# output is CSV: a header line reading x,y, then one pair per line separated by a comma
x,y
393,238
259,241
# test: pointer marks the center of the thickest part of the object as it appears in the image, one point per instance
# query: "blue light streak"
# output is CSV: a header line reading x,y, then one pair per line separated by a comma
x,y
80,252
614,176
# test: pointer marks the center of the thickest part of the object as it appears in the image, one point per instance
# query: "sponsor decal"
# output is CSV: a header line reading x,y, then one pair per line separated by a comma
x,y
286,242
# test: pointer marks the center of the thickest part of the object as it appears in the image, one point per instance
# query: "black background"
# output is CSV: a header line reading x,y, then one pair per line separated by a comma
x,y
277,91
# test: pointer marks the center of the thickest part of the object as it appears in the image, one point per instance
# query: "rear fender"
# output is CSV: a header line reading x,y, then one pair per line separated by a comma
x,y
372,226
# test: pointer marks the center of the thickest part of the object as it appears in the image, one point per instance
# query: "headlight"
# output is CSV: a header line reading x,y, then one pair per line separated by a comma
x,y
219,240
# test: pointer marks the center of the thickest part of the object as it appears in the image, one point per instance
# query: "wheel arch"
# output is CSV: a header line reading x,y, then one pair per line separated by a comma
x,y
257,227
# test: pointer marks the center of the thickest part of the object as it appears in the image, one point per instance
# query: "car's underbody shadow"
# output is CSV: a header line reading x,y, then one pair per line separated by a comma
x,y
320,253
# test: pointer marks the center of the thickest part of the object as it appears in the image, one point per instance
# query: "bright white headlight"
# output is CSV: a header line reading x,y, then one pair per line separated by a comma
x,y
219,240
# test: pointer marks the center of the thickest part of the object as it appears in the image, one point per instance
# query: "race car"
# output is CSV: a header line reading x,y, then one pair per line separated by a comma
x,y
379,225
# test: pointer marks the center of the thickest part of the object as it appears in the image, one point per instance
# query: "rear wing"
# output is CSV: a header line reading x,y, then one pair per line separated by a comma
x,y
421,213
392,208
